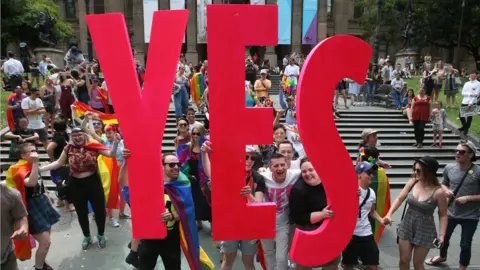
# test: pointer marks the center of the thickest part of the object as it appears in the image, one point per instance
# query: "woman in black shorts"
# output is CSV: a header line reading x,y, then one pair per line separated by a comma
x,y
341,88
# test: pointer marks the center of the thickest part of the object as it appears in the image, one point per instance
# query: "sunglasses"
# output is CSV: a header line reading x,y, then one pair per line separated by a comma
x,y
195,133
173,164
182,125
96,123
417,171
461,152
252,158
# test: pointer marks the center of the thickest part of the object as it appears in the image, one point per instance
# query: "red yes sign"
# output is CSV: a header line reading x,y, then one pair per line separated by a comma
x,y
229,32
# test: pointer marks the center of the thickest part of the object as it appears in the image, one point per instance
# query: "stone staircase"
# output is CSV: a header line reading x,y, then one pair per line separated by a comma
x,y
395,135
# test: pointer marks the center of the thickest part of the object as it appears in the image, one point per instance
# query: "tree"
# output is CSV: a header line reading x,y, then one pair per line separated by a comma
x,y
20,16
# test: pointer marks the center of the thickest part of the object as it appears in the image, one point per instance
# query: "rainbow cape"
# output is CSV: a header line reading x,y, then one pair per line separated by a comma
x,y
102,92
15,179
180,195
381,186
10,120
81,108
184,154
197,87
108,170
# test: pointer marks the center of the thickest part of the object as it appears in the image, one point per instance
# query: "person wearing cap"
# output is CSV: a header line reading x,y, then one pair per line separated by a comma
x,y
470,93
308,206
74,58
33,109
464,202
253,191
417,232
85,184
261,87
15,104
363,245
369,137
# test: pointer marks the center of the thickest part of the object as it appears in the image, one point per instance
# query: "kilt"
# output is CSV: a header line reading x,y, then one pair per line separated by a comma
x,y
41,214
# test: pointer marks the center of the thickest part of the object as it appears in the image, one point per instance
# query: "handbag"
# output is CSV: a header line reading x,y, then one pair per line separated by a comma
x,y
405,209
457,189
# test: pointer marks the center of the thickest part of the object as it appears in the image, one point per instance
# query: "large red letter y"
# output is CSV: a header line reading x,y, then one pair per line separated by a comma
x,y
142,115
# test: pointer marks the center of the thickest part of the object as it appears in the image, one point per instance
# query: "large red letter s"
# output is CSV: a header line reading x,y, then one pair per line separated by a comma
x,y
314,105
142,115
233,125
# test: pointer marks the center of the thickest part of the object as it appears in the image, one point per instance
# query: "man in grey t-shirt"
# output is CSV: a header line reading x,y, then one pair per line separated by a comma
x,y
464,209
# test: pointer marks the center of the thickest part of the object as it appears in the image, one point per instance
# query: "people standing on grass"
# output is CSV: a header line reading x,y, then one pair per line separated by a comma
x,y
451,87
439,116
470,93
461,184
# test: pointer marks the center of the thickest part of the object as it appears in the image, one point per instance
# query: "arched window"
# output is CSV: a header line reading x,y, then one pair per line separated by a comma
x,y
70,9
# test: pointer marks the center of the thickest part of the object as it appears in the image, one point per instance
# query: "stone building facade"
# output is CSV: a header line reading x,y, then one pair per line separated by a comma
x,y
334,17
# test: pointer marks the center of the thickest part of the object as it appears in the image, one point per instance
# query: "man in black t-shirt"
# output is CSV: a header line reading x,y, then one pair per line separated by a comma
x,y
20,135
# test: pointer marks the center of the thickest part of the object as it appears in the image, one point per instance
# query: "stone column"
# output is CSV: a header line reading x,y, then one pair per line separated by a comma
x,y
297,8
139,37
82,24
192,54
340,16
117,6
270,50
322,20
164,5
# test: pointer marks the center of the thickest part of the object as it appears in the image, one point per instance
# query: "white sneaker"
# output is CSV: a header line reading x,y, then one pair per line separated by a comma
x,y
114,223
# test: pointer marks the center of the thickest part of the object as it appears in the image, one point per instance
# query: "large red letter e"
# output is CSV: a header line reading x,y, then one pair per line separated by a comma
x,y
233,125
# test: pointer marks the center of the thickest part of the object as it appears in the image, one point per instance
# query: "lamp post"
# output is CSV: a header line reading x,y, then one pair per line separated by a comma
x,y
89,38
376,42
457,56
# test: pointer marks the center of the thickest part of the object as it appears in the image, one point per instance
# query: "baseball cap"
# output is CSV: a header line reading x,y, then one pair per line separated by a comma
x,y
263,71
250,149
366,132
364,167
472,147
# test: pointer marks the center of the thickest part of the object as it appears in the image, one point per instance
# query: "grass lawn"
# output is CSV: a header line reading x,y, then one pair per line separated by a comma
x,y
452,114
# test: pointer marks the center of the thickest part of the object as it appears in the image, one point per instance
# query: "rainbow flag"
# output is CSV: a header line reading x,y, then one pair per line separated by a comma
x,y
81,108
381,186
10,120
197,87
180,195
184,154
15,179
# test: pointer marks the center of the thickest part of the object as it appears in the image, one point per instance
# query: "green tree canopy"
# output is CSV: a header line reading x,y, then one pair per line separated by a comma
x,y
20,16
436,23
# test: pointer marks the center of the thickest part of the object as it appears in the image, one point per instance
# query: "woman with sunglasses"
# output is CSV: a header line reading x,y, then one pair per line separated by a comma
x,y
85,184
191,159
183,134
417,232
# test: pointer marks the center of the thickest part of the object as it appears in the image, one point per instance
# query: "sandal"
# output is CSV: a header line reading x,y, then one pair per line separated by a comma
x,y
433,262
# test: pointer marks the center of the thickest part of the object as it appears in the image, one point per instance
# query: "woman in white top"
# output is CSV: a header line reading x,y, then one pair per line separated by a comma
x,y
470,93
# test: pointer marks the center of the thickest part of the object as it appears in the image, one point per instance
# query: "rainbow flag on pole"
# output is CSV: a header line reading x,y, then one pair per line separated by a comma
x,y
197,87
16,179
381,186
81,108
180,195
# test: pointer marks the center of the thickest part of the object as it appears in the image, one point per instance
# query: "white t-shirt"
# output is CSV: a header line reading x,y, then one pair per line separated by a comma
x,y
292,72
279,193
470,92
364,228
35,119
191,126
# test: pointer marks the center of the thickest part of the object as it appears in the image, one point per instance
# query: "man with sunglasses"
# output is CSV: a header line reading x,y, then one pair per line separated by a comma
x,y
461,183
254,191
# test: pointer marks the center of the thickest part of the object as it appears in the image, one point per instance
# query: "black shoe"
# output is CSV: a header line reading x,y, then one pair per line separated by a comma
x,y
132,259
129,245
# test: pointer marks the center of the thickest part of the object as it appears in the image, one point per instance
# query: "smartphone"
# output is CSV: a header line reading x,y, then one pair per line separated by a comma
x,y
436,243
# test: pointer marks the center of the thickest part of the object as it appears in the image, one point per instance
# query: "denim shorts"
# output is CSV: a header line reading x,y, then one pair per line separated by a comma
x,y
248,247
126,195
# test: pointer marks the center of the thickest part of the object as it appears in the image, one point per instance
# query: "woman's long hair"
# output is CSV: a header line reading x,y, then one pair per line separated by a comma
x,y
430,177
201,130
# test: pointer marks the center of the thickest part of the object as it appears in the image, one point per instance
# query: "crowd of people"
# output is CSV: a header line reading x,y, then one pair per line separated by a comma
x,y
89,165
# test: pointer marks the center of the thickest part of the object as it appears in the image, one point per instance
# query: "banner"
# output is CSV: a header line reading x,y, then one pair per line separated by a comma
x,y
175,5
257,2
202,20
309,22
284,22
149,6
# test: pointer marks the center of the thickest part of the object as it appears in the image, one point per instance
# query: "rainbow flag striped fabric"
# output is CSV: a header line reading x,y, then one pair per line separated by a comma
x,y
180,195
15,179
108,169
197,87
381,186
81,108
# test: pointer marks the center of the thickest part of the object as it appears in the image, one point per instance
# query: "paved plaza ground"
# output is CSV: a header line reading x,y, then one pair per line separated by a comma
x,y
66,253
